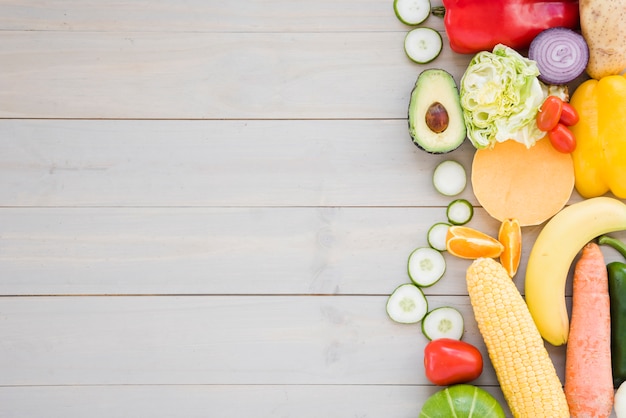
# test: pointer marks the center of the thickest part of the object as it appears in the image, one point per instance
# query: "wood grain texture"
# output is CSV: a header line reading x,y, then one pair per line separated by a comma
x,y
224,401
218,250
147,75
345,340
204,16
217,163
148,251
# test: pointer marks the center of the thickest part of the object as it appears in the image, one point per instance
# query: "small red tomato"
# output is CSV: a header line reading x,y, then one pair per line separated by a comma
x,y
448,361
569,115
562,139
549,113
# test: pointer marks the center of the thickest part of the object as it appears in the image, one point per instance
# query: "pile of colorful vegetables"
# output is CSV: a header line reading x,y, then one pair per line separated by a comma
x,y
529,58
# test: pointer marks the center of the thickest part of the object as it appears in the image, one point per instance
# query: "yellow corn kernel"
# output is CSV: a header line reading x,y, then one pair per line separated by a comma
x,y
523,366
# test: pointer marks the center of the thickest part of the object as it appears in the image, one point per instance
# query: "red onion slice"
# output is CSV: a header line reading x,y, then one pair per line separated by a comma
x,y
560,53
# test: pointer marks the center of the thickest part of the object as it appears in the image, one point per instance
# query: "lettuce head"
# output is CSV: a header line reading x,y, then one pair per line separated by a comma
x,y
500,95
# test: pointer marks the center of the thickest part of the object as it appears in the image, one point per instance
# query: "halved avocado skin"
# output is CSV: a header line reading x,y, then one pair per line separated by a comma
x,y
436,85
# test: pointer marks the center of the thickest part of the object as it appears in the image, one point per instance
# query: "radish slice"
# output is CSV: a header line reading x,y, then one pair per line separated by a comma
x,y
560,53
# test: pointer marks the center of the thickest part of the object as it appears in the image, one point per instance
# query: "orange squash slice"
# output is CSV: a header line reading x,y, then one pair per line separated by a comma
x,y
531,185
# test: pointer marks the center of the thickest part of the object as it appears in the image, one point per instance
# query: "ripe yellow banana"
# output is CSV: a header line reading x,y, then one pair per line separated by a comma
x,y
553,253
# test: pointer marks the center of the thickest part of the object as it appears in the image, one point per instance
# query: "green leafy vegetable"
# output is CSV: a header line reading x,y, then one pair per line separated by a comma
x,y
500,95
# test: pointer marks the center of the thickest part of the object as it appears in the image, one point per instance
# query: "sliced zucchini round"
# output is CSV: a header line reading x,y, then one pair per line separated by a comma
x,y
437,236
407,304
444,322
426,266
459,212
411,12
449,178
422,45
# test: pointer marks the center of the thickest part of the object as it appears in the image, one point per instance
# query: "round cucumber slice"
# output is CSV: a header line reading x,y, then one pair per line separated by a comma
x,y
426,266
462,400
422,45
459,212
407,304
449,178
437,236
444,322
411,12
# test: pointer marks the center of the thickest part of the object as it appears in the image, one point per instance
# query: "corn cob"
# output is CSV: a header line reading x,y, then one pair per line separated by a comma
x,y
523,366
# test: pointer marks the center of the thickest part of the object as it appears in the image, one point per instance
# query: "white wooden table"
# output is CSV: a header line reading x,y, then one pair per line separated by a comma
x,y
204,206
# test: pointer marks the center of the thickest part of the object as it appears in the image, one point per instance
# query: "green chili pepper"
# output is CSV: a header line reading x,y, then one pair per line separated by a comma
x,y
617,292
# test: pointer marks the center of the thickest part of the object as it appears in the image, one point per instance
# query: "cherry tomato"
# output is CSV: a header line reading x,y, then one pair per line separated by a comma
x,y
549,113
448,361
562,139
569,115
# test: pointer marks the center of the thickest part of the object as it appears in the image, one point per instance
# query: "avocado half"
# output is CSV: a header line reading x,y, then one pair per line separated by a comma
x,y
436,122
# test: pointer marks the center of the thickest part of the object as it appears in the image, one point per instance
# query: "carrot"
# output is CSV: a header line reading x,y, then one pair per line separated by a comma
x,y
588,375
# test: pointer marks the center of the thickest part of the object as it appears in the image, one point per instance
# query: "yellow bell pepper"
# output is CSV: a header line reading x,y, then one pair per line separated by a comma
x,y
600,154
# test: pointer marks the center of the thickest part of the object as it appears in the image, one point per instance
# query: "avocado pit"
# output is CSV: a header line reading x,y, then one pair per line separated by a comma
x,y
437,118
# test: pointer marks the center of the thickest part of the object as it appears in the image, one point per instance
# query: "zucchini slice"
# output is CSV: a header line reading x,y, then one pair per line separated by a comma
x,y
412,12
459,212
449,178
426,266
422,45
444,322
437,236
407,304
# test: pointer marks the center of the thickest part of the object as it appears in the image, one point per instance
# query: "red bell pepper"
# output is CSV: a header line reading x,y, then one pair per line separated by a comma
x,y
479,25
448,361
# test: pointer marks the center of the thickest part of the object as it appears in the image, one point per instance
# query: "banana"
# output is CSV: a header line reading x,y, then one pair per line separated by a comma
x,y
553,253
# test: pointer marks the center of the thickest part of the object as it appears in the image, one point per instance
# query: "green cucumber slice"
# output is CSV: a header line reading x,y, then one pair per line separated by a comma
x,y
426,266
407,304
422,45
444,322
449,178
437,236
462,400
411,12
459,212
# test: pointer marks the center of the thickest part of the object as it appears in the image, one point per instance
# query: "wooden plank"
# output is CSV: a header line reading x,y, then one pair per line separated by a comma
x,y
216,163
222,340
331,250
194,75
194,401
202,16
343,251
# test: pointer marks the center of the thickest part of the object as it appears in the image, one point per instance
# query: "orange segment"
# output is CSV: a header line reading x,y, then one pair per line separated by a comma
x,y
466,242
510,235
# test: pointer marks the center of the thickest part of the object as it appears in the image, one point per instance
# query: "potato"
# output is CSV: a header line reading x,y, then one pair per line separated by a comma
x,y
603,24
